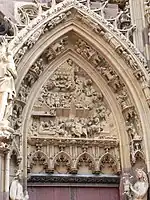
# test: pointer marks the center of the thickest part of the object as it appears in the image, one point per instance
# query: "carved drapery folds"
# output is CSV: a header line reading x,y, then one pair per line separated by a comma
x,y
8,74
136,187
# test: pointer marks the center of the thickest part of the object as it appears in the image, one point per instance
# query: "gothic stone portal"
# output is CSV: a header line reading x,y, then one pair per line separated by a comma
x,y
73,193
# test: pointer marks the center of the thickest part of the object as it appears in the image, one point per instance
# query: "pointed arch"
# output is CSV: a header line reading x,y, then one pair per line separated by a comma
x,y
88,159
64,155
119,53
109,159
38,156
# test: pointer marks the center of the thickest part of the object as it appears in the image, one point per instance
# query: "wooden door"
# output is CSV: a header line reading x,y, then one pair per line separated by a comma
x,y
73,193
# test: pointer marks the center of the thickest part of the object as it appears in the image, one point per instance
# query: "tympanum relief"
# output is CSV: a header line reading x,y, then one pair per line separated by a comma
x,y
73,117
73,105
69,104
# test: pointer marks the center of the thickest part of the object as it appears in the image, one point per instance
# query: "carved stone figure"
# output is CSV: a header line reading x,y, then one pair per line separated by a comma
x,y
71,93
16,189
33,128
138,190
7,86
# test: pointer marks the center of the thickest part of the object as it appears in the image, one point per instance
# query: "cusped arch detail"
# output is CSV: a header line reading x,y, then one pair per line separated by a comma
x,y
63,160
109,159
61,153
86,159
38,157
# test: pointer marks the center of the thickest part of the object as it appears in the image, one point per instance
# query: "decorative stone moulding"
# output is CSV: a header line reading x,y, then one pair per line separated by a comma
x,y
99,23
50,179
25,12
87,52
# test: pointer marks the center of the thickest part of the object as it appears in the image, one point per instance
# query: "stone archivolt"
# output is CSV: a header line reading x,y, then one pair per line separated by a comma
x,y
70,125
48,21
77,110
73,97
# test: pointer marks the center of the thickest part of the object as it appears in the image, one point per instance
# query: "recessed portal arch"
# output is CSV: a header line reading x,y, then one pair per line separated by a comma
x,y
95,47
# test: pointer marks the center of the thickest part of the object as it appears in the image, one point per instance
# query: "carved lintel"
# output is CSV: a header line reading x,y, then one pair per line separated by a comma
x,y
58,141
95,179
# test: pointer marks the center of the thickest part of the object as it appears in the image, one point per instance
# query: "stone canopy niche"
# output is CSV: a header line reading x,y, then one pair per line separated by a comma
x,y
72,129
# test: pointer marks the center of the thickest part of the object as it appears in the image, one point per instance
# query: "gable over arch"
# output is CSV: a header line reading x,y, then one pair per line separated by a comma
x,y
71,31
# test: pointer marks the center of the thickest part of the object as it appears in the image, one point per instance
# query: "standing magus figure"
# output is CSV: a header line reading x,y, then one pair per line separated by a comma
x,y
16,189
8,74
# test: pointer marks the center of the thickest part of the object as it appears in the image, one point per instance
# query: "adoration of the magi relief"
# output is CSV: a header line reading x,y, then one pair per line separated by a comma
x,y
73,116
71,106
